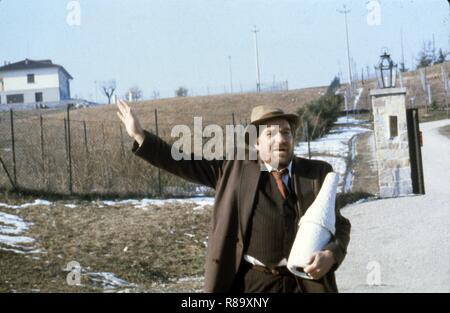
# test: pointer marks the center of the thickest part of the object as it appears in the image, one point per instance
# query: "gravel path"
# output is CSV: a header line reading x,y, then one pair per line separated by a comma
x,y
402,244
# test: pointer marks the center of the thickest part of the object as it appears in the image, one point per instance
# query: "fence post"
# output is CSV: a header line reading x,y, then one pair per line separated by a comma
x,y
159,170
13,147
121,140
106,167
7,174
85,137
41,125
306,134
69,141
68,149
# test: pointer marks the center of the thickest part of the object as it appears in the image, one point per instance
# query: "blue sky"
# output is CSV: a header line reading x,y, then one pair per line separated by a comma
x,y
163,44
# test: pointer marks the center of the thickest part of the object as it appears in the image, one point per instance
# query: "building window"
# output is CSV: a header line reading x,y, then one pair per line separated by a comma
x,y
393,127
2,85
30,78
14,98
38,97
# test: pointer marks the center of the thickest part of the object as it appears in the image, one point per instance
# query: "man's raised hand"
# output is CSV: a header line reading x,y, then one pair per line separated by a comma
x,y
131,122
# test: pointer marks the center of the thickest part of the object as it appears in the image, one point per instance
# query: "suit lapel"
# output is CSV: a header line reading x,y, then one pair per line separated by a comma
x,y
303,186
248,186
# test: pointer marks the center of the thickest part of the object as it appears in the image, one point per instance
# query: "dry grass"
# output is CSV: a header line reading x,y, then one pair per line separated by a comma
x,y
158,251
102,162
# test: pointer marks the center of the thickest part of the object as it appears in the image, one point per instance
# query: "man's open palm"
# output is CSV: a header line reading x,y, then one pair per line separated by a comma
x,y
130,120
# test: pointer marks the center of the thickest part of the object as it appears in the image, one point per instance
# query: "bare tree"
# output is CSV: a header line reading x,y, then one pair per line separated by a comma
x,y
134,93
108,89
426,55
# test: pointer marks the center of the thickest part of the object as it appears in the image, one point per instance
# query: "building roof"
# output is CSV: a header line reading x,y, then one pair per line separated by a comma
x,y
32,64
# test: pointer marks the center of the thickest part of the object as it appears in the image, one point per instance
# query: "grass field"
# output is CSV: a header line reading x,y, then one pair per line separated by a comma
x,y
100,149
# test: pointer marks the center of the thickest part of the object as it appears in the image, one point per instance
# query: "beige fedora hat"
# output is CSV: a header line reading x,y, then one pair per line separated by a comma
x,y
264,113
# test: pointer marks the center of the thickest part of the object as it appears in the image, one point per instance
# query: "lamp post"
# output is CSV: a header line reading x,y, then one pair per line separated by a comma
x,y
386,72
396,134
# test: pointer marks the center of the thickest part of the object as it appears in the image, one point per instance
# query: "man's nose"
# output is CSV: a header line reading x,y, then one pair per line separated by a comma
x,y
280,139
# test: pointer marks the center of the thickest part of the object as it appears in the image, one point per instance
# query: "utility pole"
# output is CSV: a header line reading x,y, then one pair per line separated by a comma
x,y
402,68
96,88
345,11
258,75
434,50
231,75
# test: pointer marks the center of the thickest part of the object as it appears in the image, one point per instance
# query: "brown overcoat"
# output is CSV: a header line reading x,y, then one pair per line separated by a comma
x,y
235,183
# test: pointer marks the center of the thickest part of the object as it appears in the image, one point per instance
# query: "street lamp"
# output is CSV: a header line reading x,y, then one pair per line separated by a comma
x,y
386,71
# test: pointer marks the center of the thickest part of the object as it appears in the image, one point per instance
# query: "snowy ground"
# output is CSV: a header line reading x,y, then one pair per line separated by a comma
x,y
12,227
402,244
337,148
15,237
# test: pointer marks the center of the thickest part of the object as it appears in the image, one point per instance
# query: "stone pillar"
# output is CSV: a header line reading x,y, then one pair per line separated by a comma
x,y
391,141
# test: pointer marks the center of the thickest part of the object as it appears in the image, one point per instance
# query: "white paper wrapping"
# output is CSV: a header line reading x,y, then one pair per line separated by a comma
x,y
315,227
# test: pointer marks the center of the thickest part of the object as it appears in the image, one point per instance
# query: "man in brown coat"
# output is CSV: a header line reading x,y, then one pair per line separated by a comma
x,y
258,204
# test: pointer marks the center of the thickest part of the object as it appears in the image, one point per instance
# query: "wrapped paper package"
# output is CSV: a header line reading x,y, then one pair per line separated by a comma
x,y
316,227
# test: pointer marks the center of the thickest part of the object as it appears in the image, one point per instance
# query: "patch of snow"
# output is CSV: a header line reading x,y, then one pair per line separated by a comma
x,y
26,205
337,148
34,251
191,279
349,120
356,101
14,224
107,280
70,206
11,228
144,203
15,241
348,182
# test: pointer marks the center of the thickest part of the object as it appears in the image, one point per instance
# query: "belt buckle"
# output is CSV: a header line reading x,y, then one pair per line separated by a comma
x,y
274,271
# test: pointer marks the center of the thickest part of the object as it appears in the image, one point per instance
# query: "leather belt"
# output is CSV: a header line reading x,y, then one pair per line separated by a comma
x,y
276,271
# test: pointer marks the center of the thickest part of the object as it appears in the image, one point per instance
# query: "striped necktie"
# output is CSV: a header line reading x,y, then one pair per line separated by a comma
x,y
278,175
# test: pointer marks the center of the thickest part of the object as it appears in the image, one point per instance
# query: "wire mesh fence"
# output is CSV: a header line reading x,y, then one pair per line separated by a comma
x,y
50,154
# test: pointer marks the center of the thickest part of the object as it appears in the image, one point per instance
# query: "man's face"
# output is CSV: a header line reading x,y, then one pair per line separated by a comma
x,y
275,144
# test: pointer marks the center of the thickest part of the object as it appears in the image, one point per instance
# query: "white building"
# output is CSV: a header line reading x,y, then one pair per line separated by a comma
x,y
33,82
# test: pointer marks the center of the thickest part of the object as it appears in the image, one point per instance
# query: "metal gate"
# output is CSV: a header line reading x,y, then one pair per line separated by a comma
x,y
415,152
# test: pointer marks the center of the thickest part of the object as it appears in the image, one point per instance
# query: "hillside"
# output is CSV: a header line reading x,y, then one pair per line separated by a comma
x,y
216,109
